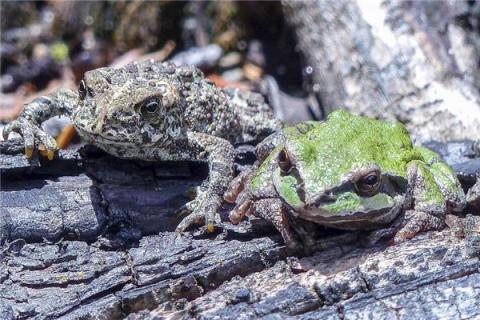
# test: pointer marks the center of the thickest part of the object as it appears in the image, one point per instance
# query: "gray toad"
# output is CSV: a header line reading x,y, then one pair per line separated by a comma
x,y
157,111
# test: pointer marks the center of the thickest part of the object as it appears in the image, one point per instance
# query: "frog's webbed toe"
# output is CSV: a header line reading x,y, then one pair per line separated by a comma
x,y
238,184
242,209
238,192
31,134
416,222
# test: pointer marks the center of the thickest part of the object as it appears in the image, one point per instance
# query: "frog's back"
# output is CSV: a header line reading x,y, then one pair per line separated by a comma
x,y
345,142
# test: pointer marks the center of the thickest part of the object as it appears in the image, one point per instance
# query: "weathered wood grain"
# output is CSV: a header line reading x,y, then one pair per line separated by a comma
x,y
88,236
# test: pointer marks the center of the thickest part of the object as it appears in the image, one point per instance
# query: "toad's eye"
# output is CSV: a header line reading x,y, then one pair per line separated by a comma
x,y
82,90
150,107
284,161
368,184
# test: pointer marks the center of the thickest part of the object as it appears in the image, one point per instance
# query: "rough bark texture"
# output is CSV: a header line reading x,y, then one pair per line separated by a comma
x,y
416,61
87,236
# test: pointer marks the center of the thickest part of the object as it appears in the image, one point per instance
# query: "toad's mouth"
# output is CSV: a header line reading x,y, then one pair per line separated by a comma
x,y
98,138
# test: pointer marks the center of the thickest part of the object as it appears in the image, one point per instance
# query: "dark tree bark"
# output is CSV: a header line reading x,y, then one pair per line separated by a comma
x,y
88,236
85,239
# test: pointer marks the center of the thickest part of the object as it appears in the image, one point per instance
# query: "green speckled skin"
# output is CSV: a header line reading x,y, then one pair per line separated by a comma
x,y
324,181
346,143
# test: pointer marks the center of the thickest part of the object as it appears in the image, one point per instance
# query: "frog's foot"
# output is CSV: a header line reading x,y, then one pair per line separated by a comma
x,y
243,207
203,211
240,211
237,186
305,231
416,222
31,132
374,236
473,195
274,211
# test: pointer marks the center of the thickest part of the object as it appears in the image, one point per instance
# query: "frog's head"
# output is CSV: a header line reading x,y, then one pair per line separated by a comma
x,y
139,104
350,174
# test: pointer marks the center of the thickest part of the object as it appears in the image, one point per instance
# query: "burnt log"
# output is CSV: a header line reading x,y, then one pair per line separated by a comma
x,y
88,236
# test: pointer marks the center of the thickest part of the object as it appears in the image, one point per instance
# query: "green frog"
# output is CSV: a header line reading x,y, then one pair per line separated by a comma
x,y
350,173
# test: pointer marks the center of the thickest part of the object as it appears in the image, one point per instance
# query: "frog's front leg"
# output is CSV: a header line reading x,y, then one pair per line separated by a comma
x,y
446,180
28,124
220,155
273,210
236,188
473,195
264,148
429,204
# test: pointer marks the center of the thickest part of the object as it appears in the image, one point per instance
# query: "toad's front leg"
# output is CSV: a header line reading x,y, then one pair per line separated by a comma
x,y
28,124
220,156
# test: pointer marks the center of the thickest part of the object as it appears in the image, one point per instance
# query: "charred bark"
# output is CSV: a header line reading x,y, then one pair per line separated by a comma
x,y
85,239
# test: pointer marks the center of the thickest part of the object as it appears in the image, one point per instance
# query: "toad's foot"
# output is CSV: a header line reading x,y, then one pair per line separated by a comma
x,y
219,154
28,124
202,210
31,133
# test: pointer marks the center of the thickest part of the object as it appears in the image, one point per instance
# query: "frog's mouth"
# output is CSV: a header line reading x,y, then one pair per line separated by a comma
x,y
368,213
342,207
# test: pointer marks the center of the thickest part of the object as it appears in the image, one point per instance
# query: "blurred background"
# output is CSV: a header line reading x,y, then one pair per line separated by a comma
x,y
413,61
50,44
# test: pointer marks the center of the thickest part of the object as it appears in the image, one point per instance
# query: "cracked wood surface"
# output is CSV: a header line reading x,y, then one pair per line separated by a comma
x,y
88,236
82,239
429,277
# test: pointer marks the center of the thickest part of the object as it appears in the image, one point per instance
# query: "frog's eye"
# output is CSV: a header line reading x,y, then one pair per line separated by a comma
x,y
150,106
369,183
284,161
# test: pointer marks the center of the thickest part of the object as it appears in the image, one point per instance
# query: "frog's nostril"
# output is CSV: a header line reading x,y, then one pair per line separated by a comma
x,y
301,192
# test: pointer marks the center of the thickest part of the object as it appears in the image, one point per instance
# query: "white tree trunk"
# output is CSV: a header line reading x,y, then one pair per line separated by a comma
x,y
412,61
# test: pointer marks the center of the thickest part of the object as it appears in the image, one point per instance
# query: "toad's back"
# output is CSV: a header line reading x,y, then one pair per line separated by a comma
x,y
150,102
